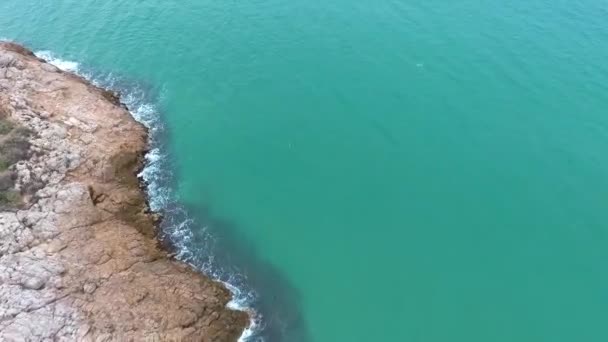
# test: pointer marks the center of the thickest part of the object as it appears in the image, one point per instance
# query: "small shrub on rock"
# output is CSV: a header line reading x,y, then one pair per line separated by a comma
x,y
9,199
5,127
15,146
7,180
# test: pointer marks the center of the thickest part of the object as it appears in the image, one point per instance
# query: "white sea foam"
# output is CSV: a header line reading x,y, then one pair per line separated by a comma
x,y
58,62
160,195
239,302
250,330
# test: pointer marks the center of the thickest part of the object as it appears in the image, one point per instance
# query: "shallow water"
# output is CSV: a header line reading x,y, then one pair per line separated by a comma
x,y
376,170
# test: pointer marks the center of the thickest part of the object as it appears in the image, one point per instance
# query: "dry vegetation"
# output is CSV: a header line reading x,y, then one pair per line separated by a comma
x,y
14,146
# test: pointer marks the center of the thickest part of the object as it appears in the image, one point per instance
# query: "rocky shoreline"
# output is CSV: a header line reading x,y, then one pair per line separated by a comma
x,y
79,259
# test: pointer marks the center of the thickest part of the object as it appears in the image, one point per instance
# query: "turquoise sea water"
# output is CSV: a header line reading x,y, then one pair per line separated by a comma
x,y
388,170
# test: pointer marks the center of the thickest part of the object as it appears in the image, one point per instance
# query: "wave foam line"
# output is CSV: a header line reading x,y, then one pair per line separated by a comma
x,y
177,224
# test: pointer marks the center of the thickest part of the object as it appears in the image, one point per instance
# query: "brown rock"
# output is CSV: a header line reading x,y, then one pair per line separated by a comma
x,y
89,288
33,283
85,228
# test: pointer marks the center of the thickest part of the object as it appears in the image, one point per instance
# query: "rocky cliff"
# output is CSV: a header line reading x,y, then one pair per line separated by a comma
x,y
78,257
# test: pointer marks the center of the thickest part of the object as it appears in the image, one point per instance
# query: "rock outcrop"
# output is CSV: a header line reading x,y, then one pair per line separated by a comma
x,y
78,257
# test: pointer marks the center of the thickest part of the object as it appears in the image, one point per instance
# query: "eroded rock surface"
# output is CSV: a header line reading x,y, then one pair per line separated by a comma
x,y
78,259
